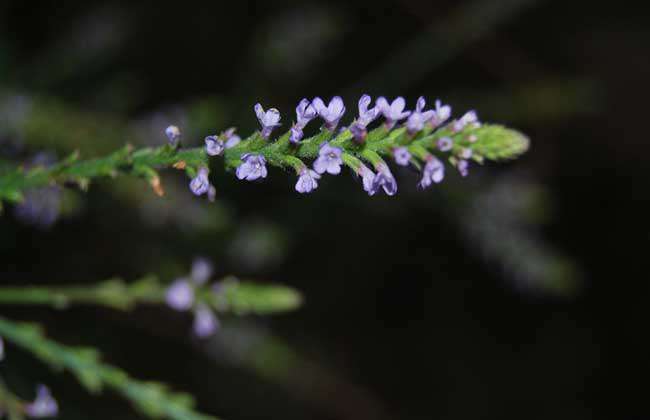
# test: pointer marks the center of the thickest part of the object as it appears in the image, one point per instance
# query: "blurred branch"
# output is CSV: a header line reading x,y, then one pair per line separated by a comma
x,y
232,296
151,398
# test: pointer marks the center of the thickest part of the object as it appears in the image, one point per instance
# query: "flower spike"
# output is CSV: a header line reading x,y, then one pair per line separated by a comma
x,y
425,140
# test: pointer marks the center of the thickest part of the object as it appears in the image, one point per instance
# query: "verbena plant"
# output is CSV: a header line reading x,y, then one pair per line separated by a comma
x,y
427,140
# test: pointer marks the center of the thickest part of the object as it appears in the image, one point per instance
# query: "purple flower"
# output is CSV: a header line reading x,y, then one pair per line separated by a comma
x,y
205,322
445,144
470,117
40,206
233,141
434,171
43,406
200,184
201,270
305,112
180,295
462,167
329,160
417,119
268,120
231,138
2,349
173,133
366,116
402,156
441,114
384,179
367,176
307,181
252,168
331,113
296,134
392,112
359,131
214,146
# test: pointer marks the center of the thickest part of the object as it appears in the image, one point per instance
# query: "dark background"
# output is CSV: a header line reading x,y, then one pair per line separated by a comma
x,y
519,292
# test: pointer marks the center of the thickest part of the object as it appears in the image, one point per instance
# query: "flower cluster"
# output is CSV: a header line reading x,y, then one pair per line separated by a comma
x,y
182,296
330,155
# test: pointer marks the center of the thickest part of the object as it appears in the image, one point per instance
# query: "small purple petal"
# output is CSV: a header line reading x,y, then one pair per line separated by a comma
x,y
296,134
305,112
462,167
212,194
200,184
415,123
402,156
201,270
180,295
367,177
2,349
43,406
40,206
252,168
393,112
366,116
214,146
232,141
329,160
445,144
384,179
433,171
420,104
205,322
307,181
173,133
359,131
268,120
442,114
332,113
469,117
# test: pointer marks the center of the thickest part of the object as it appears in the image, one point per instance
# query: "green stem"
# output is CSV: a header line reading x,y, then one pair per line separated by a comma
x,y
151,398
